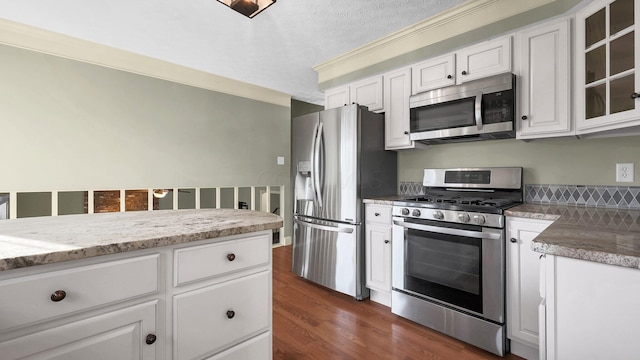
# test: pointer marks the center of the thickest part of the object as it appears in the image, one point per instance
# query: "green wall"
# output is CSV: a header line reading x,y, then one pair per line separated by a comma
x,y
557,161
73,126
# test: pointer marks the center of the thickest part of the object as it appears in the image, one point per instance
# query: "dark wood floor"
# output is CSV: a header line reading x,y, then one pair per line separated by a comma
x,y
311,322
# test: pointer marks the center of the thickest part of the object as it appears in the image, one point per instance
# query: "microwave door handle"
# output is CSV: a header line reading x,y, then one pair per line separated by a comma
x,y
316,166
478,110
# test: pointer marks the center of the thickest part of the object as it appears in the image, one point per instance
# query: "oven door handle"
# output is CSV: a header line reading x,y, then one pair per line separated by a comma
x,y
450,231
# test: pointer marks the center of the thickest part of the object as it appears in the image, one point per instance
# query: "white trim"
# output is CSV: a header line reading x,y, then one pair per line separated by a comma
x,y
31,38
470,15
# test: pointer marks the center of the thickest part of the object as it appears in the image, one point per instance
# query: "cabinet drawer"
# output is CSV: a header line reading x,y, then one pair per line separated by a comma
x,y
379,214
204,324
205,261
28,299
256,348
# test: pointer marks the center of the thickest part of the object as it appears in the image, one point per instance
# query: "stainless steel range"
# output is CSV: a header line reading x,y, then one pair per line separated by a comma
x,y
448,272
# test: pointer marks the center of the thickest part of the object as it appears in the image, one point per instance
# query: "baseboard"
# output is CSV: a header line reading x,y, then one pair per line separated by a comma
x,y
380,297
524,351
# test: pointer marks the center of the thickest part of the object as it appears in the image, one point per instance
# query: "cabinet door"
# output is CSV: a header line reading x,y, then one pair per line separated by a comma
x,y
607,56
336,97
368,92
523,283
482,60
378,257
211,319
545,81
117,335
397,89
433,74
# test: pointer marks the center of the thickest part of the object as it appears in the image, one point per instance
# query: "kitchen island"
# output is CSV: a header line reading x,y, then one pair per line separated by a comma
x,y
175,284
589,280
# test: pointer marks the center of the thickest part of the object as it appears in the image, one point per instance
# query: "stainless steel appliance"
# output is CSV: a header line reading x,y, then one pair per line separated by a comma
x,y
338,158
448,255
476,110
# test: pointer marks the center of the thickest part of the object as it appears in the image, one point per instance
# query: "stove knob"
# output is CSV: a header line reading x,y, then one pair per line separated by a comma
x,y
438,215
464,217
479,219
416,213
404,211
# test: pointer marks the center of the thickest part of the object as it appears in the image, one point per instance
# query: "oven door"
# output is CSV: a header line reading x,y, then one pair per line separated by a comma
x,y
457,265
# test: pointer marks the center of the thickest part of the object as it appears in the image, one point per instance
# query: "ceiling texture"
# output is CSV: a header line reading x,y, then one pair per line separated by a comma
x,y
277,49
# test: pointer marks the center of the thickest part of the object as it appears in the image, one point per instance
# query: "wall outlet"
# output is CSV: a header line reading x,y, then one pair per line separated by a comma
x,y
280,160
624,172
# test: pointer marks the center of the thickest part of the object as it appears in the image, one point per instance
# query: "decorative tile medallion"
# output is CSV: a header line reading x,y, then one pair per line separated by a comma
x,y
620,197
411,188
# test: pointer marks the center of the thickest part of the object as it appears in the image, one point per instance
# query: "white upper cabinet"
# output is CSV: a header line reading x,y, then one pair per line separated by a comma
x,y
433,73
367,92
336,97
544,84
607,58
397,89
484,59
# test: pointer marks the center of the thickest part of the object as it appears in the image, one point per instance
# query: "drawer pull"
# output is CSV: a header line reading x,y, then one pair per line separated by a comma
x,y
231,314
231,257
59,295
151,338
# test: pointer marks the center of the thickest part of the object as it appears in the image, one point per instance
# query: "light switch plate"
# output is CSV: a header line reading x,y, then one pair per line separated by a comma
x,y
280,160
624,172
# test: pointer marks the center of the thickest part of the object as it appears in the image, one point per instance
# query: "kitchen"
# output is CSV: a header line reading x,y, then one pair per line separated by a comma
x,y
162,158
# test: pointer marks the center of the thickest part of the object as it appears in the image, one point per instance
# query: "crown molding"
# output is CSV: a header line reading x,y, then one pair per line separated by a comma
x,y
468,16
35,39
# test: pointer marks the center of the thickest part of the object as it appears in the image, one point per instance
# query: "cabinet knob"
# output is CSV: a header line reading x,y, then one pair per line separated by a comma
x,y
449,77
406,133
513,240
635,95
231,314
231,257
464,72
150,339
59,295
376,214
524,117
387,241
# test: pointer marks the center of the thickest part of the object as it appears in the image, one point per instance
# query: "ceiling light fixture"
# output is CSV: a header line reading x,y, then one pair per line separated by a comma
x,y
248,8
160,193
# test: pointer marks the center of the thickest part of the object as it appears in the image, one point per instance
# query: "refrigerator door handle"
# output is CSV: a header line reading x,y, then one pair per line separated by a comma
x,y
316,165
324,227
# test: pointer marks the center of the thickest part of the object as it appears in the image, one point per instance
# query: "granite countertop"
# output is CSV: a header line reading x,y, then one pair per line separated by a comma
x,y
43,240
609,236
384,200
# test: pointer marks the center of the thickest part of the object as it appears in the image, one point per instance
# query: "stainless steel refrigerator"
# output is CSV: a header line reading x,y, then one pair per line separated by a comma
x,y
338,158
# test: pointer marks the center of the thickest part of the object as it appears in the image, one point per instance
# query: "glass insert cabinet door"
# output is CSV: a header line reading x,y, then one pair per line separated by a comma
x,y
607,57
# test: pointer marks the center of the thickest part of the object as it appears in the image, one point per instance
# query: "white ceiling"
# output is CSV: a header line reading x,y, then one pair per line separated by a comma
x,y
276,49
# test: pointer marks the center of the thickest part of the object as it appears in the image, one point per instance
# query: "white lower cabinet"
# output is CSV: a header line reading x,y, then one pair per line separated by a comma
x,y
209,299
216,317
591,310
120,334
378,252
523,285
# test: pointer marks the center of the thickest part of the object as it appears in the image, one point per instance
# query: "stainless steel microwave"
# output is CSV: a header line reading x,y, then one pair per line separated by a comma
x,y
477,110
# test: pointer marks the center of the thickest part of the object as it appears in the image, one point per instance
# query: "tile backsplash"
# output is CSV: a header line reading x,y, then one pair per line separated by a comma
x,y
621,197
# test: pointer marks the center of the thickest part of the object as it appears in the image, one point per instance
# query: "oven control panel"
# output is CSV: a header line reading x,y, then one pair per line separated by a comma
x,y
453,216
